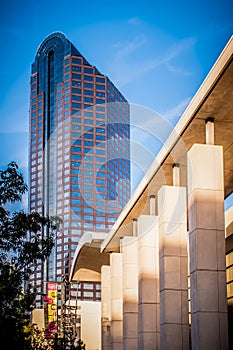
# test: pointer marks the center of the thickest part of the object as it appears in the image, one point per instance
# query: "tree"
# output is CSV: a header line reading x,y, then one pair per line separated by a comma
x,y
80,345
38,340
17,256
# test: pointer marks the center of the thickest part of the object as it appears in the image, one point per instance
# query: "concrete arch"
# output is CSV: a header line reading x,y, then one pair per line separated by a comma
x,y
88,259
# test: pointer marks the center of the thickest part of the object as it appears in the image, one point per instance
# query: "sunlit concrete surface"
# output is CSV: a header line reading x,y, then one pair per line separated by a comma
x,y
173,263
129,250
37,318
148,282
209,327
90,324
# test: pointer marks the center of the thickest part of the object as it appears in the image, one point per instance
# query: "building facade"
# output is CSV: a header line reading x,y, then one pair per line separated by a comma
x,y
79,159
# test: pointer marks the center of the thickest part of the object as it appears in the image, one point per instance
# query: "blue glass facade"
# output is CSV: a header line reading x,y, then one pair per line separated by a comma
x,y
79,150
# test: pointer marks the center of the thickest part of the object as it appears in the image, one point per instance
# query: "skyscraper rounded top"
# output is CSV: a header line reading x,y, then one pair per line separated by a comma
x,y
51,40
59,46
56,41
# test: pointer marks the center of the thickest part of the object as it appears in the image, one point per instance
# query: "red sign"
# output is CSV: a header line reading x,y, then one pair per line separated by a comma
x,y
50,309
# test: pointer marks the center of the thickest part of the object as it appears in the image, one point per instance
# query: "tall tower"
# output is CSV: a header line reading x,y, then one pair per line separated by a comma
x,y
79,159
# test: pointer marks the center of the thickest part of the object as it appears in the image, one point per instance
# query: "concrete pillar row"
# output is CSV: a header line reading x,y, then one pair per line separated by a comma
x,y
148,283
209,328
173,263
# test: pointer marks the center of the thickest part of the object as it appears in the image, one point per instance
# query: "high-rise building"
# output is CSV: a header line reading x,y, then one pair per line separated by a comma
x,y
79,159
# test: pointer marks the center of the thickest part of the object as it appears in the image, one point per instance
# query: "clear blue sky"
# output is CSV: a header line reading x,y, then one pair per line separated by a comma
x,y
156,52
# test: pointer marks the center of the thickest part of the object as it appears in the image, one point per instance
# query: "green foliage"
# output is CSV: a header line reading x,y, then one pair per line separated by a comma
x,y
12,185
80,345
38,341
17,254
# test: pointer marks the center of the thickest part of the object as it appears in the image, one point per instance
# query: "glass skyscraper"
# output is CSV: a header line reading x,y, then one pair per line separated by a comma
x,y
79,159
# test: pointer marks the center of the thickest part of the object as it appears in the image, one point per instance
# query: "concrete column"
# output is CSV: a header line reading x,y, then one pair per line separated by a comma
x,y
152,204
176,174
130,293
210,131
148,282
116,301
207,248
106,307
174,328
135,227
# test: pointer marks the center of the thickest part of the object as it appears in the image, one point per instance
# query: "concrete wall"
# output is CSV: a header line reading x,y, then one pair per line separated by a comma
x,y
90,313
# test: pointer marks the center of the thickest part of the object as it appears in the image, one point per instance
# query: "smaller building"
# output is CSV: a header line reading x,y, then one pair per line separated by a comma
x,y
88,322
